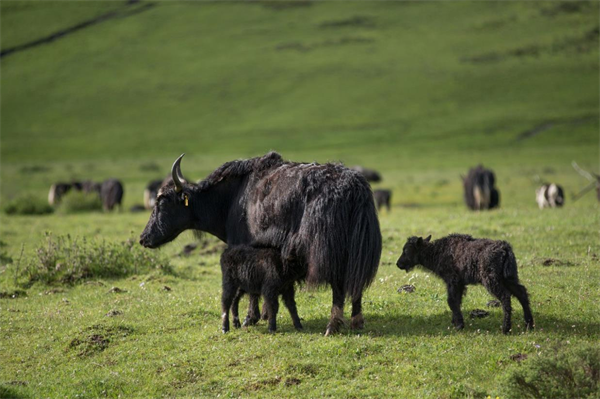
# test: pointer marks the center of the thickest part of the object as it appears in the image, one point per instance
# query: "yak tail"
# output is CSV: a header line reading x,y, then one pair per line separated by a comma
x,y
510,265
364,249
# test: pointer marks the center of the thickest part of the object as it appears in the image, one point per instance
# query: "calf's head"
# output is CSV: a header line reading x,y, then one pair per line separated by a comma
x,y
172,212
411,253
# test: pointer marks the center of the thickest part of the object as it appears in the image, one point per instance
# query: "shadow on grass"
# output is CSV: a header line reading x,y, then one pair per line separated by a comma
x,y
9,393
440,324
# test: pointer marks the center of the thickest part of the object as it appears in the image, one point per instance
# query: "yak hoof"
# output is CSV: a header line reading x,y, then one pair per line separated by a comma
x,y
236,323
333,327
225,330
459,326
298,327
358,322
249,321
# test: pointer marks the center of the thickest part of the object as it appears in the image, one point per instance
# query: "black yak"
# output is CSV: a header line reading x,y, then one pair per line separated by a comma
x,y
479,189
461,260
258,271
550,195
111,194
382,198
369,174
323,216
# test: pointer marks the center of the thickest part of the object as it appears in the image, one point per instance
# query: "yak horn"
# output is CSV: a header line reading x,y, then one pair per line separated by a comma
x,y
176,174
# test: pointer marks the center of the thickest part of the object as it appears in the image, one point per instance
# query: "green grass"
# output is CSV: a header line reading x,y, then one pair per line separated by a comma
x,y
397,91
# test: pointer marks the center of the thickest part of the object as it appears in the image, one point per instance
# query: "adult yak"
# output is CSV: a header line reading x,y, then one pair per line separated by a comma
x,y
321,217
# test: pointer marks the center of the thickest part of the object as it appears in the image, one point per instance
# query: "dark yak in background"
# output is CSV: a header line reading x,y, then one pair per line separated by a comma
x,y
322,217
369,174
151,192
57,191
111,194
479,189
382,198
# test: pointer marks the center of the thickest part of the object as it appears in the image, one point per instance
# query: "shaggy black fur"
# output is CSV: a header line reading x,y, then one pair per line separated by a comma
x,y
258,271
479,190
382,198
321,215
461,260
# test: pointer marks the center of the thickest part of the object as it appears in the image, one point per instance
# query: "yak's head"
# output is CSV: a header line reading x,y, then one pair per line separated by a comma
x,y
410,253
172,212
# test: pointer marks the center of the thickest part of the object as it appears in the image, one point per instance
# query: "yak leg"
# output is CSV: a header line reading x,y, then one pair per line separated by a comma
x,y
290,303
520,292
358,321
337,310
235,308
272,306
227,297
253,312
455,294
499,291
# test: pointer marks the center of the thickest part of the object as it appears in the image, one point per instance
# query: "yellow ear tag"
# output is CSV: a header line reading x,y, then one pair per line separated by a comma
x,y
185,197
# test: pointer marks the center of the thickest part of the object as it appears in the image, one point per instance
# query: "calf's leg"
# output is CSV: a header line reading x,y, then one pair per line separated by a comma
x,y
290,303
520,292
227,296
235,308
272,306
253,315
455,294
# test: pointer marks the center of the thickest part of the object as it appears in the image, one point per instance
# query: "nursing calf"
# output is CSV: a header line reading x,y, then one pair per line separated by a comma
x,y
461,260
258,271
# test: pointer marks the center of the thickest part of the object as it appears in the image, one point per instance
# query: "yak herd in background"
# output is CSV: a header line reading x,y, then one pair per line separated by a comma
x,y
480,191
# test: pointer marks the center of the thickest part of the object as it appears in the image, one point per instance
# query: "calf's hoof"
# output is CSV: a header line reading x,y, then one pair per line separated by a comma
x,y
249,321
236,323
225,330
298,327
358,322
459,326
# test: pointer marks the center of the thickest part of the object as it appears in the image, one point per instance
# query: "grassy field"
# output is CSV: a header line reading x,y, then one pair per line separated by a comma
x,y
418,91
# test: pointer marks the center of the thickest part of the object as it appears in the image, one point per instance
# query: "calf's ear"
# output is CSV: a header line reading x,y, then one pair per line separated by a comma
x,y
428,238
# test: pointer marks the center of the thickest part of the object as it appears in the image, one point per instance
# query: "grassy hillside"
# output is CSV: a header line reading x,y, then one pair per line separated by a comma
x,y
420,91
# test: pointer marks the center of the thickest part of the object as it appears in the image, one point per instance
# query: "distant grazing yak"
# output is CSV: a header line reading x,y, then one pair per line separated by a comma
x,y
369,174
382,198
550,195
479,189
321,216
111,193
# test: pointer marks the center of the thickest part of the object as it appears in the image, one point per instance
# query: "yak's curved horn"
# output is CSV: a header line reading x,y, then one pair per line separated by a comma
x,y
176,174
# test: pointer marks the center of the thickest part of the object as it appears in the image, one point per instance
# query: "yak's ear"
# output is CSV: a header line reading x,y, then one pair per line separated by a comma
x,y
419,241
428,238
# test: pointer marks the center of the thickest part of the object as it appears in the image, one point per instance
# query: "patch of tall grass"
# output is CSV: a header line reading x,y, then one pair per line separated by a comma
x,y
63,259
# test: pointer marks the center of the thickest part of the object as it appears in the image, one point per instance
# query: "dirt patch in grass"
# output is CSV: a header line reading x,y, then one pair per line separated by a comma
x,y
555,262
584,43
408,288
13,294
494,303
343,41
97,338
116,290
357,21
114,313
479,313
518,357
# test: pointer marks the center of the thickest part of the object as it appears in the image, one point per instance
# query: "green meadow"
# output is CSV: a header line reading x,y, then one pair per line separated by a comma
x,y
419,91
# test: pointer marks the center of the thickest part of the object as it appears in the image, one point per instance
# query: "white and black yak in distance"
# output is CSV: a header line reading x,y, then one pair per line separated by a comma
x,y
549,195
320,215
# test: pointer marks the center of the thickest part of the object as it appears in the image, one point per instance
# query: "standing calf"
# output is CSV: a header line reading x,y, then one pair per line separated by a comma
x,y
461,260
258,271
382,197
